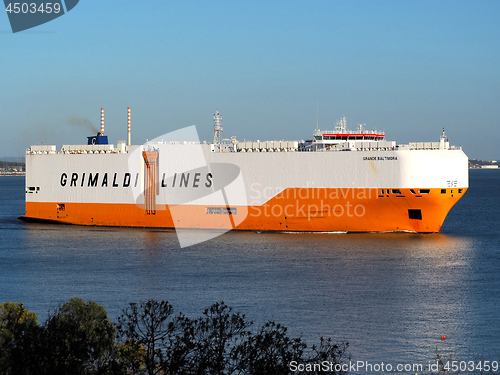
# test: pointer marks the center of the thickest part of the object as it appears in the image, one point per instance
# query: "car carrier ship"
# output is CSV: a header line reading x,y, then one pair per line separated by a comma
x,y
339,180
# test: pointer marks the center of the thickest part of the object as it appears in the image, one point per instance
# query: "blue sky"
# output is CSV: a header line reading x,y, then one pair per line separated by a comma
x,y
408,68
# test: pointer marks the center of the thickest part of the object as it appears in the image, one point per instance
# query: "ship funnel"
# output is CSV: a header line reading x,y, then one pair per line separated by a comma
x,y
100,138
102,121
128,131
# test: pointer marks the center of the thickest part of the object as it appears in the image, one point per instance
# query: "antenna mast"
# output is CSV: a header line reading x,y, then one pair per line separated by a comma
x,y
217,127
317,116
341,125
317,131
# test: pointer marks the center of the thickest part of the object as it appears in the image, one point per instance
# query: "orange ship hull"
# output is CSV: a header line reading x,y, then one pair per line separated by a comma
x,y
295,209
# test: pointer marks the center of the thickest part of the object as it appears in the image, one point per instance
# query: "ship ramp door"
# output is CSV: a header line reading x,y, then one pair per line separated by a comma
x,y
150,181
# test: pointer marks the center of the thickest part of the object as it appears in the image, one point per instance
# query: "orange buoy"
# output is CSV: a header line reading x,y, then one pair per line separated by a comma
x,y
443,338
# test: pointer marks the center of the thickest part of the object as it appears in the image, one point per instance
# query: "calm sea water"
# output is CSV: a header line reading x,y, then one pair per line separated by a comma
x,y
391,296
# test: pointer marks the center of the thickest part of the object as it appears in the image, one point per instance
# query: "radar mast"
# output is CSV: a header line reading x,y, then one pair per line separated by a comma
x,y
217,127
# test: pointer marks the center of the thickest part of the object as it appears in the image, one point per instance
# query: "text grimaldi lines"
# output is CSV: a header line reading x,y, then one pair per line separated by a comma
x,y
187,180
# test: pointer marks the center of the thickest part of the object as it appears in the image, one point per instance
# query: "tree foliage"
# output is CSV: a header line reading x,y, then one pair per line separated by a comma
x,y
18,332
330,352
148,328
271,350
215,341
78,338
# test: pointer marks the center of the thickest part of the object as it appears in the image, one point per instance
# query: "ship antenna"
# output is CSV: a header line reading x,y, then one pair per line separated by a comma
x,y
443,136
317,116
217,127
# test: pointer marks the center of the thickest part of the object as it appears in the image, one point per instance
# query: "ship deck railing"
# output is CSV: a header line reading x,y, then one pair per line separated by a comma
x,y
387,148
75,152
